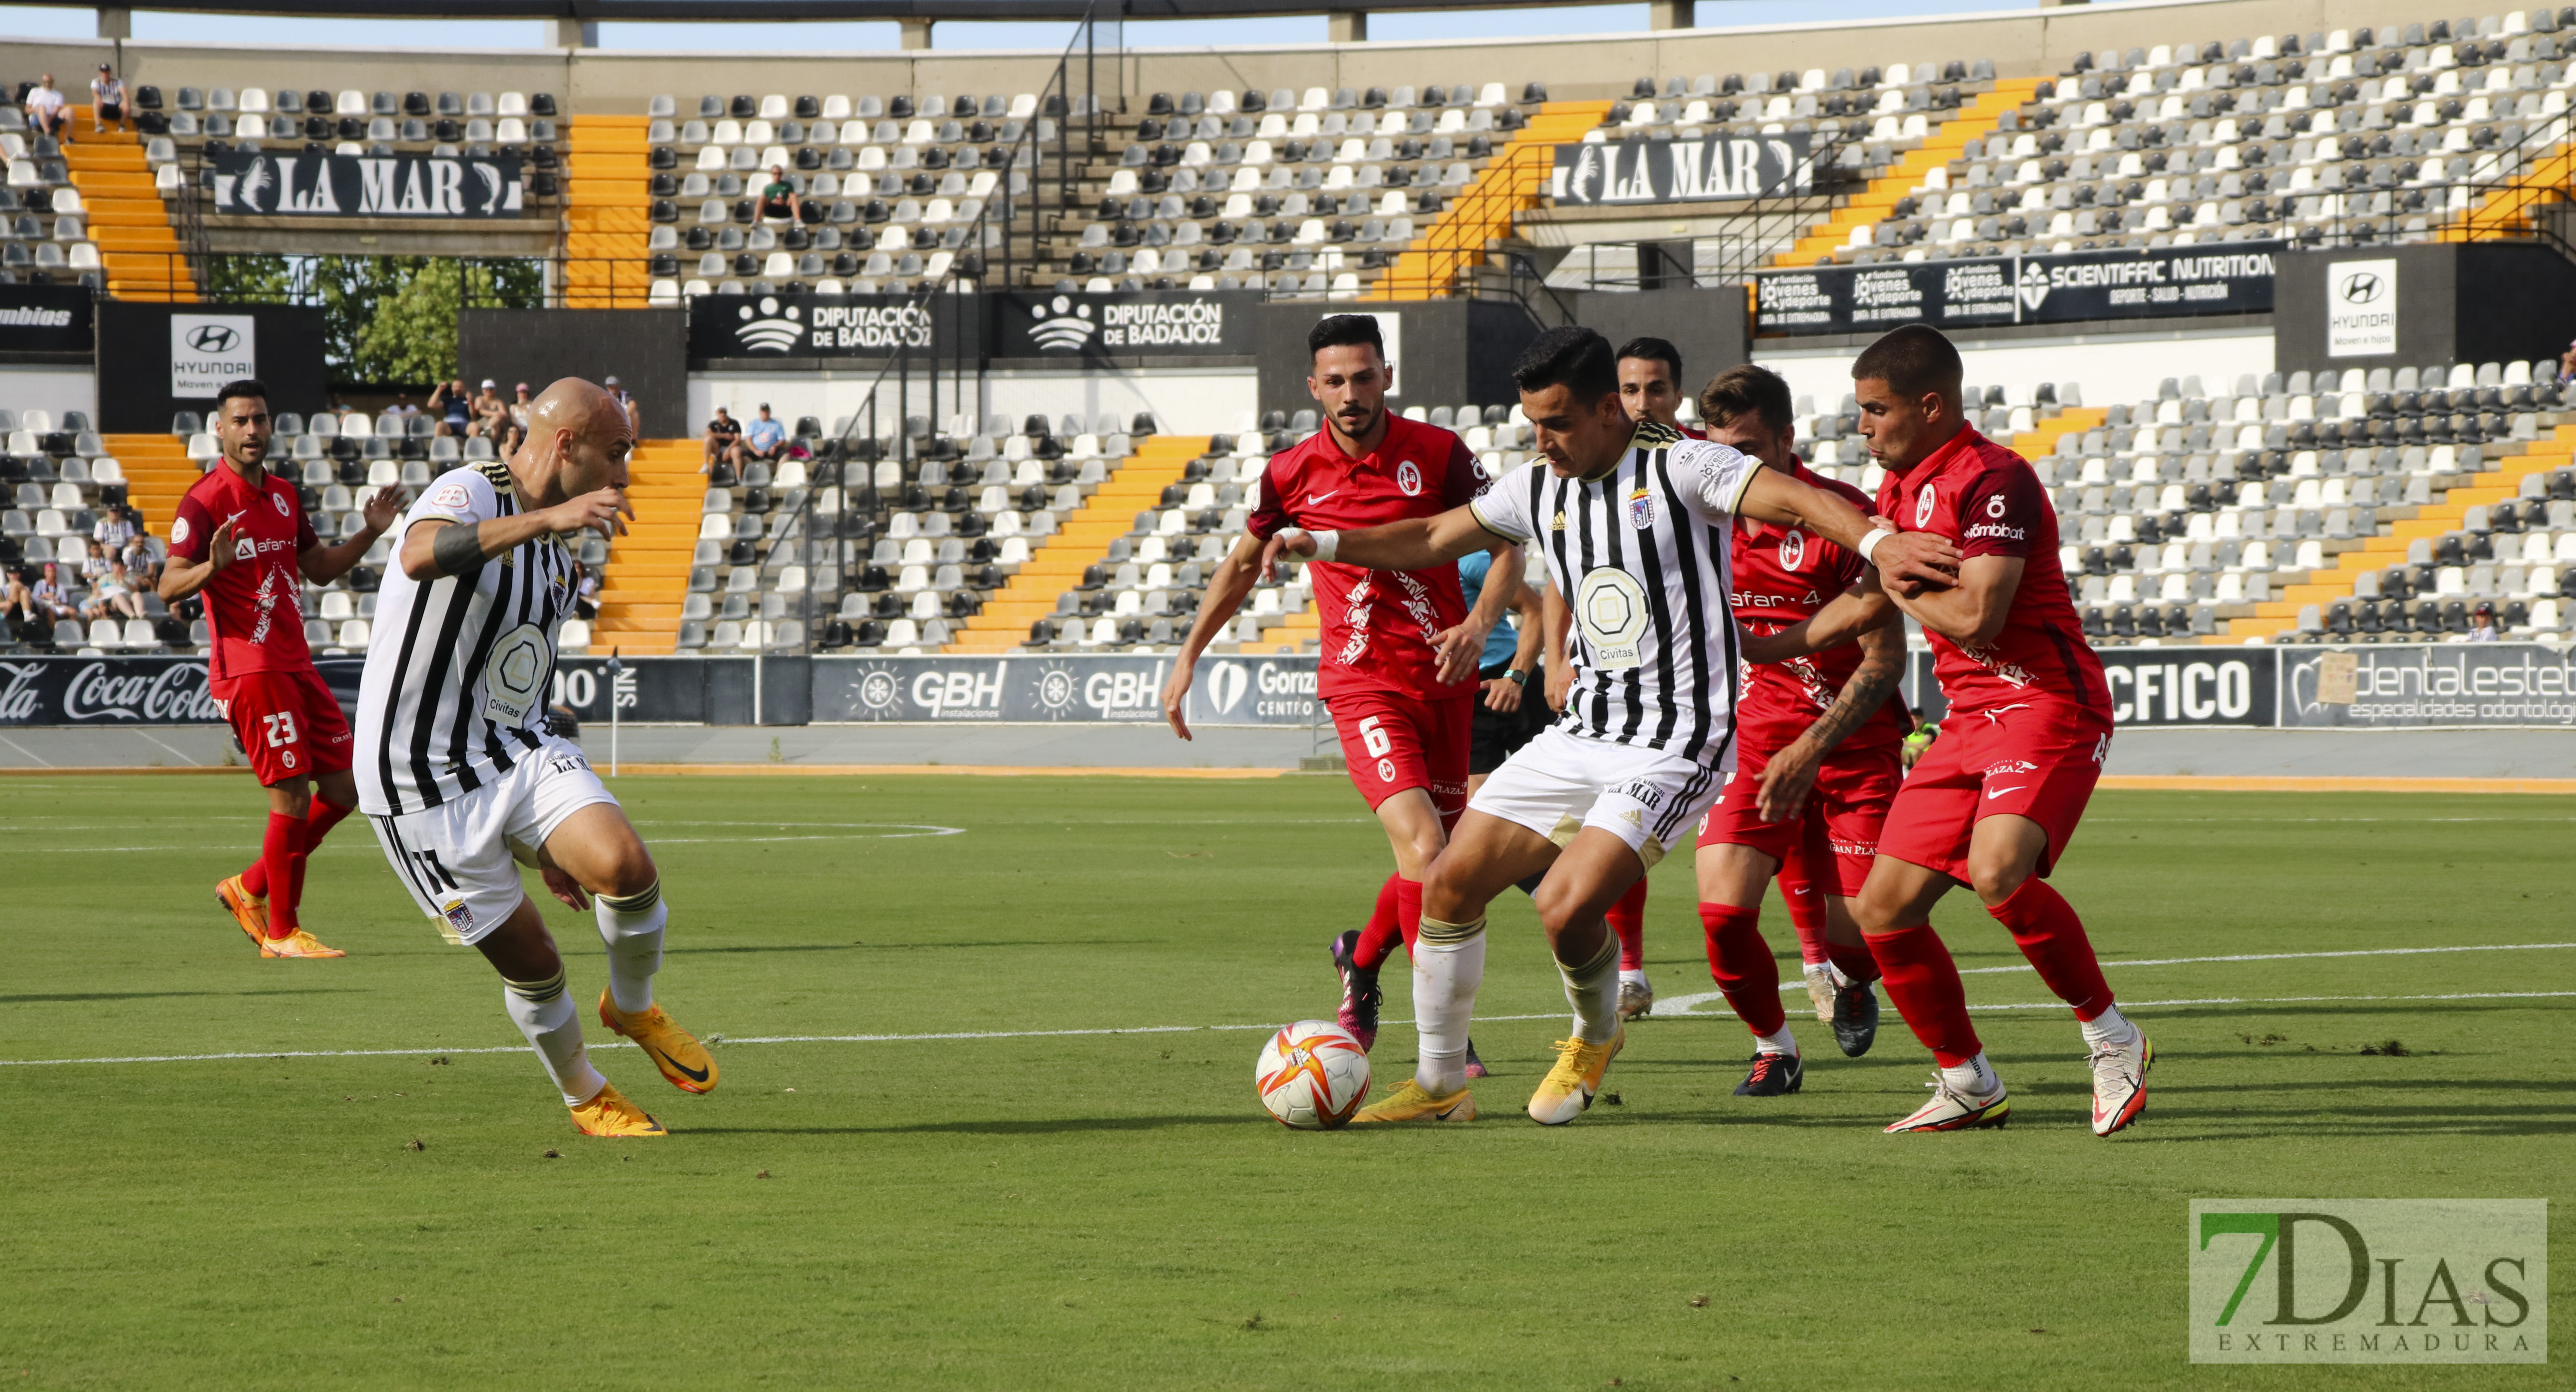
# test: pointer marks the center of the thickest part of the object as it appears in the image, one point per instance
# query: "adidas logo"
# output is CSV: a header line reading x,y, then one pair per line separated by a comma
x,y
1556,523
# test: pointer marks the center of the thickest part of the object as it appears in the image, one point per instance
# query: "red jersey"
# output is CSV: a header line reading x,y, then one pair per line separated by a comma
x,y
1379,625
1781,577
1987,502
256,604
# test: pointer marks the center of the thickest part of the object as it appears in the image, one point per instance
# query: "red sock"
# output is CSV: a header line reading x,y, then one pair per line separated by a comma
x,y
1807,915
1628,920
1741,963
1924,983
1855,961
2045,927
1378,937
317,824
278,851
1408,910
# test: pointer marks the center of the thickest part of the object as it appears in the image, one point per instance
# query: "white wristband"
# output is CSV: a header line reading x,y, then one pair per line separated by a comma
x,y
1870,543
1326,543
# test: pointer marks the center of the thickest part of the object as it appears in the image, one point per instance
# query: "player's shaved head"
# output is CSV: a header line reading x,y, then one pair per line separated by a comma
x,y
578,439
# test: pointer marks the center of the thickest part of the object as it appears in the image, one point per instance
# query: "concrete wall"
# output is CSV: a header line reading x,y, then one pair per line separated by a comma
x,y
2024,43
55,389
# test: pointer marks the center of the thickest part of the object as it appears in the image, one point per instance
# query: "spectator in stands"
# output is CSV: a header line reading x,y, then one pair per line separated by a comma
x,y
141,563
724,441
94,563
112,530
2567,365
765,438
402,405
47,112
2482,623
779,198
585,605
519,408
491,413
106,100
454,408
17,607
512,436
625,398
51,598
114,596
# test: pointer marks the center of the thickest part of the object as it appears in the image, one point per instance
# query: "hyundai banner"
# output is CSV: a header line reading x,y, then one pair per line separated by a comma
x,y
250,183
1142,324
2165,282
1642,171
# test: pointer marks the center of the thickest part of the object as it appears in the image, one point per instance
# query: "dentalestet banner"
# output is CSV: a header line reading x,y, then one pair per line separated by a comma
x,y
260,184
2165,282
2497,684
1638,170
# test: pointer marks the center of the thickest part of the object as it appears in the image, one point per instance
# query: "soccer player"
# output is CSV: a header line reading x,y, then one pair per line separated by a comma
x,y
1398,669
461,775
1508,713
1632,520
1993,802
241,538
1818,765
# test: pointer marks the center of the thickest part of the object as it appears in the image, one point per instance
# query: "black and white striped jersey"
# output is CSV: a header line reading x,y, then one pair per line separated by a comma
x,y
1640,553
458,668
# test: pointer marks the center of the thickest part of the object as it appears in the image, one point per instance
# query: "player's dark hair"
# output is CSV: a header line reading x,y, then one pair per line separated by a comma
x,y
1747,390
1573,357
1345,331
1660,350
1913,360
247,386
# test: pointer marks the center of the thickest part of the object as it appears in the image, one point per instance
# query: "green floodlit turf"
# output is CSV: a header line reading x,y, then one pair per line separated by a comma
x,y
1115,1211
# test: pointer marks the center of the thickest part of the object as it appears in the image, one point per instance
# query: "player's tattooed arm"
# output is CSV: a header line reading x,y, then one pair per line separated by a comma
x,y
1913,558
1973,612
1791,774
1416,543
1843,619
435,547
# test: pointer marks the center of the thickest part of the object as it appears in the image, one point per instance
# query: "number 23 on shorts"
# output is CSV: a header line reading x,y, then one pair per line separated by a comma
x,y
280,726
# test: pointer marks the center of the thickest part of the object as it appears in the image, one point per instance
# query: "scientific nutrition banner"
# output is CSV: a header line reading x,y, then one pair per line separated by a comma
x,y
2166,282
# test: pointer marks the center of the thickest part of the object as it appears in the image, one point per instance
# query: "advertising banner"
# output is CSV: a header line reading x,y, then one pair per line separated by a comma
x,y
1043,690
1150,323
811,326
1638,170
2157,686
257,184
105,691
45,319
2493,684
2164,282
2361,308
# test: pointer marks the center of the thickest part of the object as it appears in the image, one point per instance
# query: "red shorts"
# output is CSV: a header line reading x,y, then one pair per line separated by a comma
x,y
288,722
1837,834
2031,760
1394,742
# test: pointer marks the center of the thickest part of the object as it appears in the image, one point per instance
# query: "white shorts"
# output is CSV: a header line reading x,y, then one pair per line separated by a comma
x,y
1559,783
456,857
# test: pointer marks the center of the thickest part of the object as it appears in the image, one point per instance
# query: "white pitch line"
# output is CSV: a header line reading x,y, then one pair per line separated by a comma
x,y
924,834
1177,1029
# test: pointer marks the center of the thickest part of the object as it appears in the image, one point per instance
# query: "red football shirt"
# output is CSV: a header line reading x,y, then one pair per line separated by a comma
x,y
1986,500
1378,624
1781,577
255,606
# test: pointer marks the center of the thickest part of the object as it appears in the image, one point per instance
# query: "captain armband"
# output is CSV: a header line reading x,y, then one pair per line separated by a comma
x,y
457,549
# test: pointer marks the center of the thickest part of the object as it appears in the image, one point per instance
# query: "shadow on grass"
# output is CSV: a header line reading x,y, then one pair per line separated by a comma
x,y
913,947
988,1128
76,997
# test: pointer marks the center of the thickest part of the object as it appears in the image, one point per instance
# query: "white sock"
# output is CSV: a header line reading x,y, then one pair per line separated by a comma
x,y
632,929
1593,990
1448,966
2109,1027
1781,1043
544,1012
1976,1078
1635,974
1842,979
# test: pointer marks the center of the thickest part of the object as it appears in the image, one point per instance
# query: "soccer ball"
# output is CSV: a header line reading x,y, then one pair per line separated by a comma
x,y
1312,1075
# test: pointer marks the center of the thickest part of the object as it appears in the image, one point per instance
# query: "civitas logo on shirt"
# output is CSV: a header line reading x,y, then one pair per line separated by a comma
x,y
1061,326
768,327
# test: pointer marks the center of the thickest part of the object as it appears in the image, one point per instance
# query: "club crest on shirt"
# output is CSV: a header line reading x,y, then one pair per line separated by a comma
x,y
1408,478
1793,548
1923,507
179,531
279,499
459,917
1641,508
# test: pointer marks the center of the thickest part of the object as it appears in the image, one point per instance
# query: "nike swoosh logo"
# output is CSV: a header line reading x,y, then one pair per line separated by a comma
x,y
1999,792
1314,498
695,1075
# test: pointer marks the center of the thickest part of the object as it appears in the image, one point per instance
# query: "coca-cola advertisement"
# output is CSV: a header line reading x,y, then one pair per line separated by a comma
x,y
105,691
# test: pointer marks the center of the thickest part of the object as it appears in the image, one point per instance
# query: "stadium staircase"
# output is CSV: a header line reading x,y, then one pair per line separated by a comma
x,y
2512,208
647,574
1975,121
157,472
126,218
2040,441
1081,541
2280,615
1513,182
607,217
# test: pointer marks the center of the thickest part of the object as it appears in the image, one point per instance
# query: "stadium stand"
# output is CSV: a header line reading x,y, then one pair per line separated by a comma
x,y
59,477
127,218
607,217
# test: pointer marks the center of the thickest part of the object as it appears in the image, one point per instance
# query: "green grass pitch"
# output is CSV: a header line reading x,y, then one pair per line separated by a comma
x,y
999,1206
